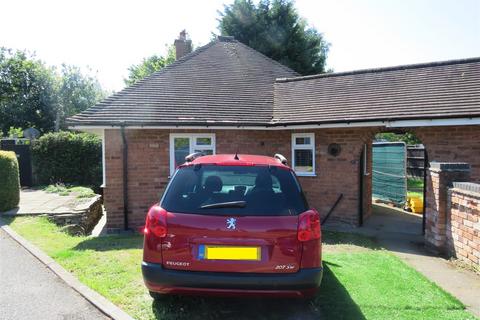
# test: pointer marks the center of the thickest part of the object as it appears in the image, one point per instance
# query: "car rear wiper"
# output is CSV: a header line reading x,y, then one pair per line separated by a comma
x,y
231,204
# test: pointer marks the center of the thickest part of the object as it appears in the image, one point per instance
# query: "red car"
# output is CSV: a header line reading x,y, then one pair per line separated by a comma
x,y
233,225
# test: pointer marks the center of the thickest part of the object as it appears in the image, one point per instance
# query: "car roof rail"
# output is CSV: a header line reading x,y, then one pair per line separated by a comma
x,y
193,156
280,158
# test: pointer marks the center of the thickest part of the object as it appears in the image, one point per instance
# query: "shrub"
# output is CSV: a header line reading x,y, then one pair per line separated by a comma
x,y
10,181
69,158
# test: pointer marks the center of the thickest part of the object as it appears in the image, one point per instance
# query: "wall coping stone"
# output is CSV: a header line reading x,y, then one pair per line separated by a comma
x,y
449,166
467,186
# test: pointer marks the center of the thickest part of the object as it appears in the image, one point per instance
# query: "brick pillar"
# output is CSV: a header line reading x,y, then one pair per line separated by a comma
x,y
442,174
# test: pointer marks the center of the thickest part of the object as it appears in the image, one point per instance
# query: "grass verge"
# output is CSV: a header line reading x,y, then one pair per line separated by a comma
x,y
361,281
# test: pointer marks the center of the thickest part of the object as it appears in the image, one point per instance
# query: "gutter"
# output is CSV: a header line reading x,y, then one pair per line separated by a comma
x,y
385,122
125,177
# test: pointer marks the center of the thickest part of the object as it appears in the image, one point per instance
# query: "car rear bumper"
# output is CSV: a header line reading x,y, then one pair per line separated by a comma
x,y
305,282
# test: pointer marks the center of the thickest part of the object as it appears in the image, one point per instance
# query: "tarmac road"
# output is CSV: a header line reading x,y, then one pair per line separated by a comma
x,y
29,290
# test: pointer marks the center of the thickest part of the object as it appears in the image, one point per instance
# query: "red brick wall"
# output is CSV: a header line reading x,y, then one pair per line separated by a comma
x,y
453,144
149,164
148,171
463,225
441,177
446,144
113,196
148,167
335,175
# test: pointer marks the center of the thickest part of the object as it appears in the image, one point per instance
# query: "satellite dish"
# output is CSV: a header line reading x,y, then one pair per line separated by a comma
x,y
31,133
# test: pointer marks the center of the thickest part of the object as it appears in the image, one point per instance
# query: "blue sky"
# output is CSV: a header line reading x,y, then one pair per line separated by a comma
x,y
108,36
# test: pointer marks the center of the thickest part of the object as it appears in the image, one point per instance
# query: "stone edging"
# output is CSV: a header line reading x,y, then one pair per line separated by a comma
x,y
99,301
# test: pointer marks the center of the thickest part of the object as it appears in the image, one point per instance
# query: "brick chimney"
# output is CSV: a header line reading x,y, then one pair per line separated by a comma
x,y
183,45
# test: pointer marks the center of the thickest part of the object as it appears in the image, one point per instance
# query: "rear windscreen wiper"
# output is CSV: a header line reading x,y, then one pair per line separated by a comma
x,y
231,204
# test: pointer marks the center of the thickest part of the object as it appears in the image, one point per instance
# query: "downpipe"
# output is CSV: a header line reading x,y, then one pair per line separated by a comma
x,y
125,178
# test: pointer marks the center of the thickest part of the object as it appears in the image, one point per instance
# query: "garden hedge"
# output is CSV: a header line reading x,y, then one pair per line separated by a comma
x,y
9,181
69,158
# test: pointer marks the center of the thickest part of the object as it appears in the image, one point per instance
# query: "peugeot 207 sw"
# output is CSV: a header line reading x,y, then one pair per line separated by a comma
x,y
233,225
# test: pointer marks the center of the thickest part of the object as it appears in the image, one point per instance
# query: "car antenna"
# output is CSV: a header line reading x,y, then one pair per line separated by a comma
x,y
236,156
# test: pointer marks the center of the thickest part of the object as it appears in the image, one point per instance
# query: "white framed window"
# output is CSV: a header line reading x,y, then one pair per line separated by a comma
x,y
182,144
303,153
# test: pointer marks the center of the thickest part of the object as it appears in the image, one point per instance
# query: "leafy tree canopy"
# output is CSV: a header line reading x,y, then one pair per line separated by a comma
x,y
274,28
77,91
408,137
27,92
149,65
33,94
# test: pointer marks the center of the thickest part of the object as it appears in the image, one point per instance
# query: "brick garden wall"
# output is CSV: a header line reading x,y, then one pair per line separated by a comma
x,y
450,144
463,222
441,176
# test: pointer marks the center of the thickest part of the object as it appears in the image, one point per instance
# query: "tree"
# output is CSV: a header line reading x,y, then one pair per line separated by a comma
x,y
408,137
77,92
35,95
274,28
27,92
149,65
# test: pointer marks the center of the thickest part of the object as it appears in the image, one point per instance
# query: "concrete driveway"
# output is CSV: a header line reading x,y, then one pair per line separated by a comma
x,y
29,290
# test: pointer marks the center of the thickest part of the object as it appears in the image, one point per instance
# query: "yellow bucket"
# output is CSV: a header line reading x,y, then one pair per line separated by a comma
x,y
416,204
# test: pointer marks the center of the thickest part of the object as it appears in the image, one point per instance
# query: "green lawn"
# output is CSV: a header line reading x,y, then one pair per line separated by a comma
x,y
415,187
361,281
415,183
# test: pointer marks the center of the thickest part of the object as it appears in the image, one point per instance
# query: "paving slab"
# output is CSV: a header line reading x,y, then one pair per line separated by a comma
x,y
37,202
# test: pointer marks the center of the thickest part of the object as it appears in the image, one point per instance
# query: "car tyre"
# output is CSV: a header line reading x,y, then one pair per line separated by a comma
x,y
157,296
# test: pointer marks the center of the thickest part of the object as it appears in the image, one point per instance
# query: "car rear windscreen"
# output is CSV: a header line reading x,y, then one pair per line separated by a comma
x,y
234,190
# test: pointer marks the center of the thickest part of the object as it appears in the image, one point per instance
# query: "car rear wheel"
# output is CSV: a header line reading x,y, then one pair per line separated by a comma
x,y
157,296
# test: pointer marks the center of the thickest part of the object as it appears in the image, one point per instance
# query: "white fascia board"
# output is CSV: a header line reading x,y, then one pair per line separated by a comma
x,y
97,130
240,127
433,122
388,124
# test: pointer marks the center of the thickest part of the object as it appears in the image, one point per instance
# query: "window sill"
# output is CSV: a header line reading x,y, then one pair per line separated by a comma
x,y
305,174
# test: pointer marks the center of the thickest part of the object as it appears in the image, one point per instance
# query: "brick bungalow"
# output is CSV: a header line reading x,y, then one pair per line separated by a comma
x,y
226,97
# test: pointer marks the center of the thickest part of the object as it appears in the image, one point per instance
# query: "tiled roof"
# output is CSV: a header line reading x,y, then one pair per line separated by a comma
x,y
223,82
227,83
449,89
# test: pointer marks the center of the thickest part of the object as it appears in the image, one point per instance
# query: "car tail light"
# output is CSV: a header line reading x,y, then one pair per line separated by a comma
x,y
308,226
156,222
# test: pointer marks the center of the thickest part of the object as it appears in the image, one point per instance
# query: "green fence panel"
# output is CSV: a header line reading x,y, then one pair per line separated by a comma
x,y
389,172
